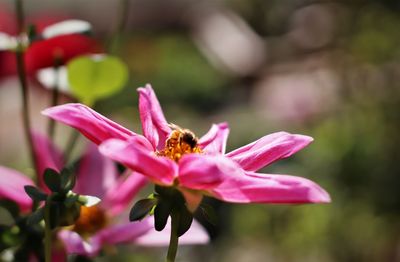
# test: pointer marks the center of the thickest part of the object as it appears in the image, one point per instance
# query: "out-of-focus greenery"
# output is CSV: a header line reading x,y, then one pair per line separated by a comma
x,y
355,155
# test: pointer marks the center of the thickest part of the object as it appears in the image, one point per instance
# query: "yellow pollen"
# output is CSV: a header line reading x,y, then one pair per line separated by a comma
x,y
180,142
91,220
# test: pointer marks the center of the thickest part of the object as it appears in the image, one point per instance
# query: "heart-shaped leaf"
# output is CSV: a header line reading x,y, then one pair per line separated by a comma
x,y
96,76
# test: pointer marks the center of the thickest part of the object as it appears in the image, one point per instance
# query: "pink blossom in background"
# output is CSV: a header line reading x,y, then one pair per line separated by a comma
x,y
206,170
102,224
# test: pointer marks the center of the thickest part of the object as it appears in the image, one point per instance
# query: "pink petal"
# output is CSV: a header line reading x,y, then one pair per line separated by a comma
x,y
155,127
74,244
215,139
137,154
203,172
264,188
12,185
41,54
196,235
91,124
96,174
268,149
47,155
124,233
119,196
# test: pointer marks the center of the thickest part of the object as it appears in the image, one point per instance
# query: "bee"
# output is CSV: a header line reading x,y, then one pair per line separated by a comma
x,y
182,137
181,141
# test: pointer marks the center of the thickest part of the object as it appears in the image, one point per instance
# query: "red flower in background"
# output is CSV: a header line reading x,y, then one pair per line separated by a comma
x,y
41,53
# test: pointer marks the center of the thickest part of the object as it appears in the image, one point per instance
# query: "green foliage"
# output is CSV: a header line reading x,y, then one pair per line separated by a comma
x,y
376,39
142,208
177,71
171,202
52,180
95,77
35,193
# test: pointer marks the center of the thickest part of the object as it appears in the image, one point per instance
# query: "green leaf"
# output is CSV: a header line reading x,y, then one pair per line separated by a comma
x,y
96,76
209,213
35,217
142,208
52,180
185,220
161,214
35,193
68,179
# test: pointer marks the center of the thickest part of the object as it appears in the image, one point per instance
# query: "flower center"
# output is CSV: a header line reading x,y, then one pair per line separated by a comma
x,y
91,220
180,142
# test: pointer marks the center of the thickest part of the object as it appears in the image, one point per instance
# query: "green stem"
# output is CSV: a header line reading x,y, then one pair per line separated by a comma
x,y
73,138
19,9
123,10
47,231
54,101
173,241
23,82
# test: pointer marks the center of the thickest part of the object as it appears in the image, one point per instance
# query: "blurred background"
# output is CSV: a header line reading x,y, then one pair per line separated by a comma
x,y
328,69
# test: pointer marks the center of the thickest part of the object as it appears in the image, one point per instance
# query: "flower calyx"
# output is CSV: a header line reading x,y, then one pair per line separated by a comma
x,y
165,202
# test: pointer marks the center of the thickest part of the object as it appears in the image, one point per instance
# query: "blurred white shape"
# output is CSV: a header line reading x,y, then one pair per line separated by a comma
x,y
89,201
66,27
196,235
98,57
7,255
228,42
48,77
7,42
297,96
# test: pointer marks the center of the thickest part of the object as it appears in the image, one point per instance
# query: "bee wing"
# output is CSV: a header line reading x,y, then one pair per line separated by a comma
x,y
174,127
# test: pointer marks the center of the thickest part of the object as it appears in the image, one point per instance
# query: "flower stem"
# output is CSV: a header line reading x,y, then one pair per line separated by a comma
x,y
173,241
54,100
73,138
47,231
123,10
23,83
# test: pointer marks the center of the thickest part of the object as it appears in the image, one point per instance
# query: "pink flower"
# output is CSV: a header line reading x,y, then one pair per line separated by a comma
x,y
173,157
99,225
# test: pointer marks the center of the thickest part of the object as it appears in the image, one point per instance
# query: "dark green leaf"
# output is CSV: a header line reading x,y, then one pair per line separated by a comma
x,y
52,180
11,207
68,180
209,213
185,220
35,193
35,217
161,214
142,208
